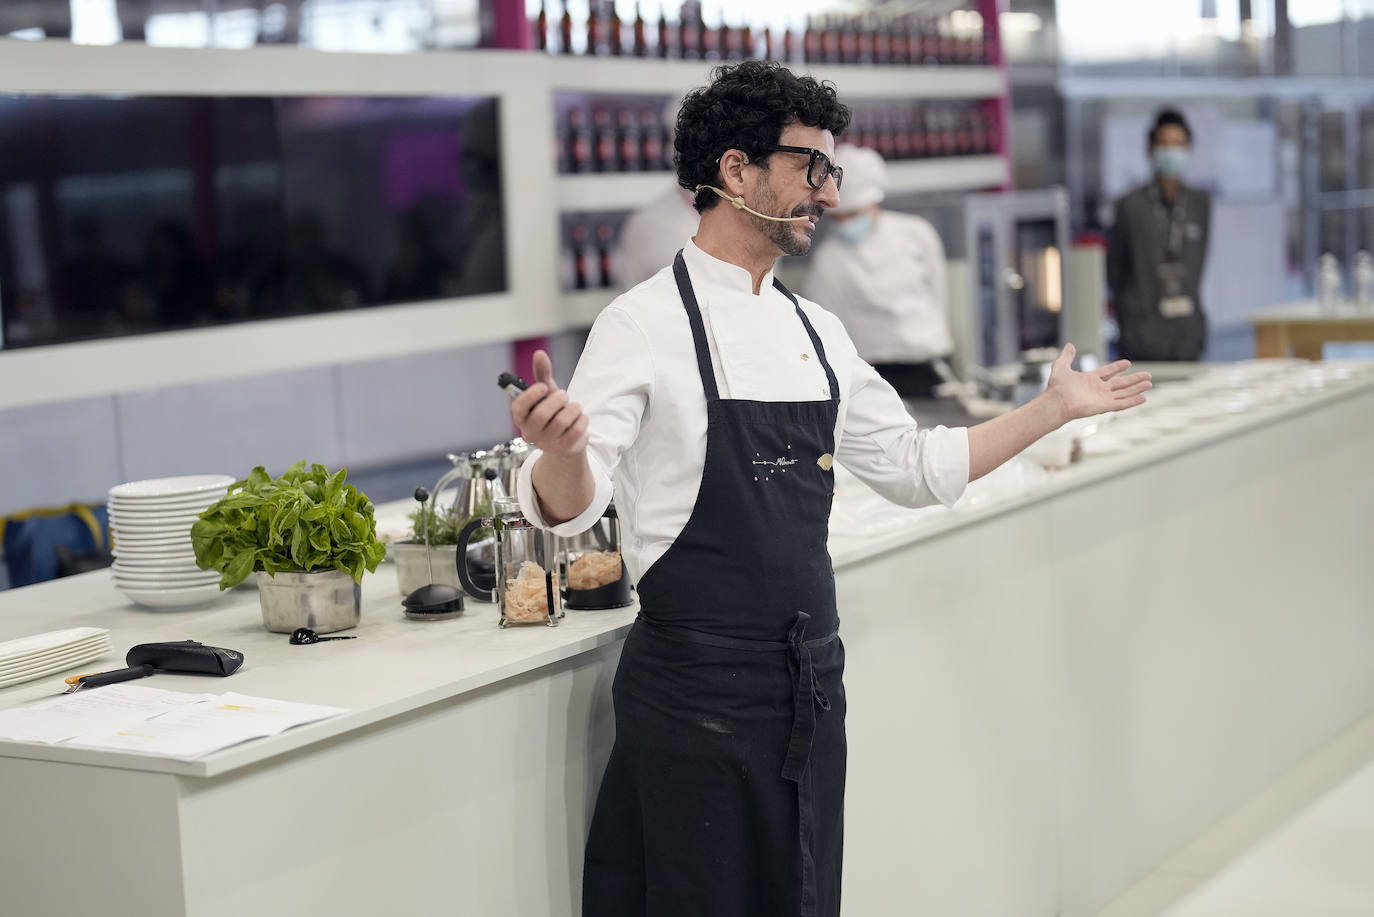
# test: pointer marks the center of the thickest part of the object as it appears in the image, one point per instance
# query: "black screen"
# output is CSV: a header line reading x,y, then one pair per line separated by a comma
x,y
129,215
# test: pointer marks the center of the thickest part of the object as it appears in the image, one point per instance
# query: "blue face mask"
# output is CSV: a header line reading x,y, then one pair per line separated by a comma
x,y
1170,161
855,229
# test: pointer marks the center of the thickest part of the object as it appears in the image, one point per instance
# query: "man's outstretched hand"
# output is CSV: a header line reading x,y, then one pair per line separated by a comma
x,y
1098,391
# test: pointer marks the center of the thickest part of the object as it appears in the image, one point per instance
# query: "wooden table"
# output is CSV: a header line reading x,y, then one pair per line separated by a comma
x,y
1300,329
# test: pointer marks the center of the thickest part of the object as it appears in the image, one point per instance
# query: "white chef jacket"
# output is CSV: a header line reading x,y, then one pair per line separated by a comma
x,y
890,290
637,380
652,235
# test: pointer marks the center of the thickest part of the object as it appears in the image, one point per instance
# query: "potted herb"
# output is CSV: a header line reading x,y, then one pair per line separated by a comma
x,y
308,535
412,564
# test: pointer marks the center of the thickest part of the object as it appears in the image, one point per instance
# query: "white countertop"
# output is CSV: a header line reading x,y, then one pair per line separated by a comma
x,y
397,665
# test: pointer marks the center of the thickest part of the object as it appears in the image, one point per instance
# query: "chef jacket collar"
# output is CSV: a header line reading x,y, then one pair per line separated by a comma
x,y
708,269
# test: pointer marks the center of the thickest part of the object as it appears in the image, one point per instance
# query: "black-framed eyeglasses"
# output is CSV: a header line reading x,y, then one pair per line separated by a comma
x,y
819,168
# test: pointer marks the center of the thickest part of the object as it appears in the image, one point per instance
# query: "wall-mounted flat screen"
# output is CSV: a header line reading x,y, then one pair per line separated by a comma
x,y
128,215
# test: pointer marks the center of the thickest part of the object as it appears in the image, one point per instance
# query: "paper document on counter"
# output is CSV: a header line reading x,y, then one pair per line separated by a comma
x,y
94,710
210,725
149,721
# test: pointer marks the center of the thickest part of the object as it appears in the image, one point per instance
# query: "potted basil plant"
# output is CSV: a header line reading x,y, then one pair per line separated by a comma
x,y
307,535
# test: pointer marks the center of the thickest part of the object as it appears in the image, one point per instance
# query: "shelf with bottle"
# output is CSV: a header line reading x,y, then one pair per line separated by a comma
x,y
715,31
583,193
587,242
614,152
910,129
612,133
586,265
675,78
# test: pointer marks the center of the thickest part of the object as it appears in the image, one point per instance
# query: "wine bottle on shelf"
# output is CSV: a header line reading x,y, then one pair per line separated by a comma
x,y
605,239
865,55
924,44
669,37
994,128
580,141
862,128
949,131
604,149
567,268
963,133
598,29
691,28
627,137
901,136
562,147
813,46
615,31
730,41
641,33
916,134
949,45
978,46
565,31
581,272
886,139
830,41
540,26
710,35
978,126
849,40
882,40
908,41
650,139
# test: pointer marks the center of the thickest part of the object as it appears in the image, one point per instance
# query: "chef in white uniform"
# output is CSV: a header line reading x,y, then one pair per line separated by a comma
x,y
883,273
713,404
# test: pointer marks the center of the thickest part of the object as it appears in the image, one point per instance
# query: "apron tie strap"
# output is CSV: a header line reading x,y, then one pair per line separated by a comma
x,y
806,697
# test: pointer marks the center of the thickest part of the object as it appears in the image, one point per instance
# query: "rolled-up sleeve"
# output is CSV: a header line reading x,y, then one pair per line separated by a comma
x,y
882,446
613,383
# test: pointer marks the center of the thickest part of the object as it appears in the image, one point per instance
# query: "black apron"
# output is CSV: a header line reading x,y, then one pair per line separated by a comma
x,y
724,792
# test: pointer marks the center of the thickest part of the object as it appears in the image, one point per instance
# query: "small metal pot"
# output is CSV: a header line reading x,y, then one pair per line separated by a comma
x,y
323,601
413,569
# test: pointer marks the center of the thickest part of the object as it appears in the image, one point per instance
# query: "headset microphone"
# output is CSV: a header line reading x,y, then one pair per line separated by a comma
x,y
739,204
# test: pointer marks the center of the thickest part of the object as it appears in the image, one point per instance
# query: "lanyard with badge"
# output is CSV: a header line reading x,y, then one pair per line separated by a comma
x,y
1174,302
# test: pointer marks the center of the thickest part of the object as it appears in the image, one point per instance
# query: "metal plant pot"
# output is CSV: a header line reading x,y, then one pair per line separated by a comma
x,y
412,568
323,601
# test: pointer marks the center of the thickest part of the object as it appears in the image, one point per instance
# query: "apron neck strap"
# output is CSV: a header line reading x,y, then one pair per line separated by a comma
x,y
689,302
708,374
815,340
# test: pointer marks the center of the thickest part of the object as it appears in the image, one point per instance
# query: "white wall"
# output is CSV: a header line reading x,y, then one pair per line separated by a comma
x,y
362,415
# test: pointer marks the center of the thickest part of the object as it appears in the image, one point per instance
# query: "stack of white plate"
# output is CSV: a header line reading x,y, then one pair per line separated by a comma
x,y
47,654
150,525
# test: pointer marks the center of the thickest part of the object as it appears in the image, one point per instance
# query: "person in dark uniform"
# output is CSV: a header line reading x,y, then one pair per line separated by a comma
x,y
716,405
1156,253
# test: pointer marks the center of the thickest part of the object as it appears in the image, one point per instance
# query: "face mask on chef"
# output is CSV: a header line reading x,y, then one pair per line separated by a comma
x,y
1170,161
855,229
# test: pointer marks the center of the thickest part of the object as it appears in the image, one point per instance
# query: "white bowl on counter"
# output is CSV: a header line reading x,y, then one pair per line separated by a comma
x,y
179,597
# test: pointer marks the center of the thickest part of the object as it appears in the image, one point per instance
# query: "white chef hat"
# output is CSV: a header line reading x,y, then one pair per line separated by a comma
x,y
865,176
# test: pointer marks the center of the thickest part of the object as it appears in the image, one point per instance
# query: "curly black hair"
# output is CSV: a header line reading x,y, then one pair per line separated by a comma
x,y
746,107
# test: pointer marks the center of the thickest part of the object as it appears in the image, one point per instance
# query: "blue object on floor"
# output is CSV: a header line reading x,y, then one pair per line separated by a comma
x,y
29,540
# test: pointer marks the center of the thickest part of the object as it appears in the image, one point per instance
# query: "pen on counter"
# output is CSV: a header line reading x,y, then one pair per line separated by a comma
x,y
96,679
